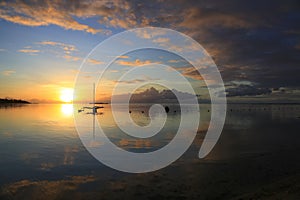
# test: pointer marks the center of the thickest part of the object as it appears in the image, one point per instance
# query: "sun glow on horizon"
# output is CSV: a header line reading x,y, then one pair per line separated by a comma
x,y
66,95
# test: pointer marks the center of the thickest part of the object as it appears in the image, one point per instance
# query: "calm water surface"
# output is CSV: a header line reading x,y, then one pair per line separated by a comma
x,y
40,152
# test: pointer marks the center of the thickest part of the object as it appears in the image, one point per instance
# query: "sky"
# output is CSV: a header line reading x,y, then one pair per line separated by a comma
x,y
255,44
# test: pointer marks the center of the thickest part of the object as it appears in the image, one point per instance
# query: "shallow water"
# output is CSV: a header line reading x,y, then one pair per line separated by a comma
x,y
41,151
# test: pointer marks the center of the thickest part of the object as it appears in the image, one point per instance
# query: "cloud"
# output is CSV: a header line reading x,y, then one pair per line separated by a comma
x,y
258,35
174,61
202,18
44,13
247,90
8,72
21,20
254,40
134,63
63,45
190,72
29,51
123,57
149,34
161,40
134,81
237,83
94,62
129,21
68,48
71,58
113,71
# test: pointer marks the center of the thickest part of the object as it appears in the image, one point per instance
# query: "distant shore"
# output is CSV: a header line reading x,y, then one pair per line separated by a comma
x,y
11,102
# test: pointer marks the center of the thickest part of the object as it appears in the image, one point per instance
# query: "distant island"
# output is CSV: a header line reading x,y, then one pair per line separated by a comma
x,y
13,101
99,103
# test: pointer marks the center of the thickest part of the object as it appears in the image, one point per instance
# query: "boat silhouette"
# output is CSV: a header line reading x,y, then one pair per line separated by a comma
x,y
94,108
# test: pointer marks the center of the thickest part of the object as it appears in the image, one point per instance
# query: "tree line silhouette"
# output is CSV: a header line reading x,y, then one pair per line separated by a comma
x,y
9,100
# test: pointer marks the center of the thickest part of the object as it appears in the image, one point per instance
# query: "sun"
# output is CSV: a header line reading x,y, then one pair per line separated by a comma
x,y
66,95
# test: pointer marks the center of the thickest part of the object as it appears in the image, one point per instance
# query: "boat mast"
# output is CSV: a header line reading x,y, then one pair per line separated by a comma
x,y
94,94
94,107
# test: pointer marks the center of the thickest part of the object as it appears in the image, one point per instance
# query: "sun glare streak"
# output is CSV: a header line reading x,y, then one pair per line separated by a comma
x,y
66,95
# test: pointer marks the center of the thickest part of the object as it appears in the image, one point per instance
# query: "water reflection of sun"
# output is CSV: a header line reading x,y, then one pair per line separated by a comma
x,y
67,109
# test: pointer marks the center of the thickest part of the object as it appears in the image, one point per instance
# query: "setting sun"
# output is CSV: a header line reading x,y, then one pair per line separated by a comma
x,y
66,95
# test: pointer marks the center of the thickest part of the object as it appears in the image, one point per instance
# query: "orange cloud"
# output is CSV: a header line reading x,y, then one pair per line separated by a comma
x,y
71,58
135,63
8,72
30,51
117,13
43,14
94,62
174,61
190,72
123,56
21,20
161,40
149,34
68,48
126,23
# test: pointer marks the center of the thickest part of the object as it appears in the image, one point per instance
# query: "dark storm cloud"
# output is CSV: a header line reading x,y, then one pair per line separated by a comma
x,y
262,52
254,40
